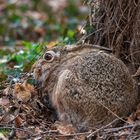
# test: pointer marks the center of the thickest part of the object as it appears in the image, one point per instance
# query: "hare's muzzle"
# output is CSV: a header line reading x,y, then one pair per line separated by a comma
x,y
38,69
37,73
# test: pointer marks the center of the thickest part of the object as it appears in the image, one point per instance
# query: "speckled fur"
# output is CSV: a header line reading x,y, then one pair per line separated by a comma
x,y
85,85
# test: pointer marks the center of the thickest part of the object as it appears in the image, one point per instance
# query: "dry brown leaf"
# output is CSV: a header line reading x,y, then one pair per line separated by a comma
x,y
64,129
29,87
130,120
23,92
18,121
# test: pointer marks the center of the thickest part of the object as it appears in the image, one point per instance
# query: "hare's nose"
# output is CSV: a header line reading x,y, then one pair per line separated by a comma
x,y
43,62
39,68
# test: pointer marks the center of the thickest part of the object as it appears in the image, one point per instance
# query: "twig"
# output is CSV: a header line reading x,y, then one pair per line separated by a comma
x,y
70,135
132,130
49,134
100,129
85,45
97,47
87,36
112,130
45,132
90,12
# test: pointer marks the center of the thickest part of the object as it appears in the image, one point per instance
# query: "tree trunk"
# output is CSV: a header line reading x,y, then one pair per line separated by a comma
x,y
116,24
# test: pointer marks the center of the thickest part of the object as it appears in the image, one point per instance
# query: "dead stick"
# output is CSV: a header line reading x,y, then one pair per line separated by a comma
x,y
70,135
100,129
112,130
45,132
132,130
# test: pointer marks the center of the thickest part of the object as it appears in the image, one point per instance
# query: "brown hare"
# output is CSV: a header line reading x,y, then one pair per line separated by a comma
x,y
86,85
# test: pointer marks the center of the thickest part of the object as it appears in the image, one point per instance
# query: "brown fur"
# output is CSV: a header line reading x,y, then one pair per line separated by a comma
x,y
87,86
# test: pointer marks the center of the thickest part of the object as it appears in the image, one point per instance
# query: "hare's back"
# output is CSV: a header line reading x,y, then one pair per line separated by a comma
x,y
104,75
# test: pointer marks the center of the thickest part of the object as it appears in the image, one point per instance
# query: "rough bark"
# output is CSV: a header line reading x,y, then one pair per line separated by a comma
x,y
116,24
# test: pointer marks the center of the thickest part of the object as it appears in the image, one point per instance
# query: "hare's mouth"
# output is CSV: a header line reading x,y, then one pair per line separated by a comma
x,y
44,76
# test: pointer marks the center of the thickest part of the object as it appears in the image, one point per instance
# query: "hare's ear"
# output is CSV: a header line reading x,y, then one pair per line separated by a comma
x,y
70,48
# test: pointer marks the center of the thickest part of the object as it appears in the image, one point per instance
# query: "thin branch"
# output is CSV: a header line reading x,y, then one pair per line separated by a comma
x,y
112,130
100,129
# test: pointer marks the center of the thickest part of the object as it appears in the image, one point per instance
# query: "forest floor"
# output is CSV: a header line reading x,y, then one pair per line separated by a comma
x,y
25,114
26,27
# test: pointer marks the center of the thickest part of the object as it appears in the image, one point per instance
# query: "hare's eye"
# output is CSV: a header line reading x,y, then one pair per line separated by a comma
x,y
48,56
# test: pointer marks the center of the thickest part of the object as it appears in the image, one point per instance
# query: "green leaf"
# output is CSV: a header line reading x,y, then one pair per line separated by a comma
x,y
70,33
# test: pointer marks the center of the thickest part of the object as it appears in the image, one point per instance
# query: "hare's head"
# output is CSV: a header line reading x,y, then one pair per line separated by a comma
x,y
50,61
